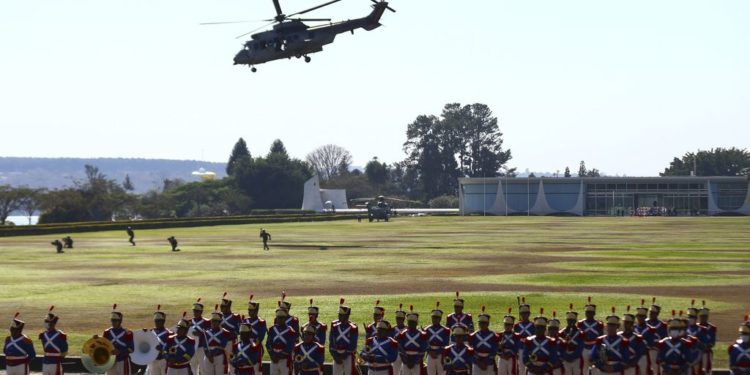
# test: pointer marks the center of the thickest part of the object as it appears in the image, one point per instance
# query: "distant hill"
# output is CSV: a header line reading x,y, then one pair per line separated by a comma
x,y
53,173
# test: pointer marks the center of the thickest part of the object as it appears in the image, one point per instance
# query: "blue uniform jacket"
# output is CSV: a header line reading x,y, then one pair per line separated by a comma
x,y
281,341
259,328
122,339
412,345
179,351
610,351
55,346
308,358
540,354
18,350
342,341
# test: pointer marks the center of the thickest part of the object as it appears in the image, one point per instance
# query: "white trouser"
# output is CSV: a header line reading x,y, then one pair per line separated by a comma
x,y
475,370
434,366
630,371
642,365
521,365
506,366
655,368
157,367
707,360
52,369
416,370
120,368
215,368
179,371
572,367
345,368
281,367
22,369
557,371
397,365
596,371
378,372
195,362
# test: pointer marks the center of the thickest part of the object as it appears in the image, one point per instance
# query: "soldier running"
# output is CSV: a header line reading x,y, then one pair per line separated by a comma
x,y
131,235
58,246
67,242
173,243
265,236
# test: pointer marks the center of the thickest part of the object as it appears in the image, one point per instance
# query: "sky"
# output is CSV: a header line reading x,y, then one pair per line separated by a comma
x,y
624,85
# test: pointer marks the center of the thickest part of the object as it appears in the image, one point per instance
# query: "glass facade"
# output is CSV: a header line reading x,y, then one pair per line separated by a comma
x,y
614,199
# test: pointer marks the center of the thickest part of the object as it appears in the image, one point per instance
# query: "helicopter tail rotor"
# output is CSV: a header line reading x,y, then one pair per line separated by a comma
x,y
386,5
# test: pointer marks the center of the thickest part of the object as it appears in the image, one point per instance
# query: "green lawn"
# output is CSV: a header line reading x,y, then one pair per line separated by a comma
x,y
492,260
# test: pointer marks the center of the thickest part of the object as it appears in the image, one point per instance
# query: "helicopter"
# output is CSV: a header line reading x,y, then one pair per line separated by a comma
x,y
291,37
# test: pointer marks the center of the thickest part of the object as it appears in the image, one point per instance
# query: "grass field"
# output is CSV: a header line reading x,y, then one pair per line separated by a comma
x,y
492,260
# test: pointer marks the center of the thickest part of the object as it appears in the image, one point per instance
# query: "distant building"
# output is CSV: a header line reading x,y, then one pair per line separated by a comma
x,y
605,196
319,200
204,175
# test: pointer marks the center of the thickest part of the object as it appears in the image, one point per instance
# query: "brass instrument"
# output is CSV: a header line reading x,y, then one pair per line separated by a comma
x,y
98,355
447,361
533,358
299,358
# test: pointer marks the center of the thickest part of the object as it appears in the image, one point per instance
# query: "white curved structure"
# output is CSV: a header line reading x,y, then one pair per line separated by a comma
x,y
315,198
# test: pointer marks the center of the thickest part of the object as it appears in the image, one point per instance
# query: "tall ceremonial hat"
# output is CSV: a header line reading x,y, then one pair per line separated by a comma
x,y
554,322
436,312
283,303
613,319
509,318
412,315
309,329
676,322
483,317
197,305
571,314
628,316
216,315
344,309
459,330
523,307
251,304
225,301
655,307
115,315
184,323
400,313
589,306
17,323
541,320
378,309
312,309
642,310
282,312
745,327
704,310
158,314
245,327
51,317
692,311
458,302
383,324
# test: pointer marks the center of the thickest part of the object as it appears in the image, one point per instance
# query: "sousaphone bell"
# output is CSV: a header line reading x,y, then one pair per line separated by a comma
x,y
146,345
98,355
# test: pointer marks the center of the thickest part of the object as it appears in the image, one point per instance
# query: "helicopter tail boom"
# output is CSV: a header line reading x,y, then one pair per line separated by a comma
x,y
373,20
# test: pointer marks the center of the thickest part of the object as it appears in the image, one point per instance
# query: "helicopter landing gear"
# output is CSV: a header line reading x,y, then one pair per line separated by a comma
x,y
253,69
307,59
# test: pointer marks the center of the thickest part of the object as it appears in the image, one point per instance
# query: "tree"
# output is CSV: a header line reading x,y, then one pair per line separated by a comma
x,y
713,162
567,172
31,201
430,151
582,169
10,200
240,151
278,148
593,173
376,172
330,161
127,184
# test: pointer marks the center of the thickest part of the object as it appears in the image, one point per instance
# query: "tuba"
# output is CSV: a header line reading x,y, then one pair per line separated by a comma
x,y
98,355
299,358
145,344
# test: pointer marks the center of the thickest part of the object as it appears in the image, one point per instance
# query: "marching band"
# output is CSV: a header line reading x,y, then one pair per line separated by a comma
x,y
232,344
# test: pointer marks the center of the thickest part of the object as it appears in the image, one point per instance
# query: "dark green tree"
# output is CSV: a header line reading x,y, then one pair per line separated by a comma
x,y
278,148
567,172
10,200
713,162
240,151
376,172
127,184
582,171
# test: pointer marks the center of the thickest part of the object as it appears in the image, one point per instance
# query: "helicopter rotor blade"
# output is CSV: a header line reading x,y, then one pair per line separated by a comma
x,y
278,7
386,7
252,31
224,22
314,8
311,19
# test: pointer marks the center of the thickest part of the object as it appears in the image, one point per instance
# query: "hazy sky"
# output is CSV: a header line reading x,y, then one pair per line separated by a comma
x,y
624,85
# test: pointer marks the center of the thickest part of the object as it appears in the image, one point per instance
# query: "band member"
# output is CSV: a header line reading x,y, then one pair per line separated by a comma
x,y
309,354
400,315
159,365
739,352
524,328
648,334
291,320
200,325
54,343
553,331
438,337
458,357
257,325
700,336
638,347
18,349
592,329
320,328
485,342
508,347
610,353
540,351
229,321
247,353
458,316
572,344
378,312
217,344
659,329
131,235
179,350
412,343
122,340
280,343
380,351
675,351
342,342
707,358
